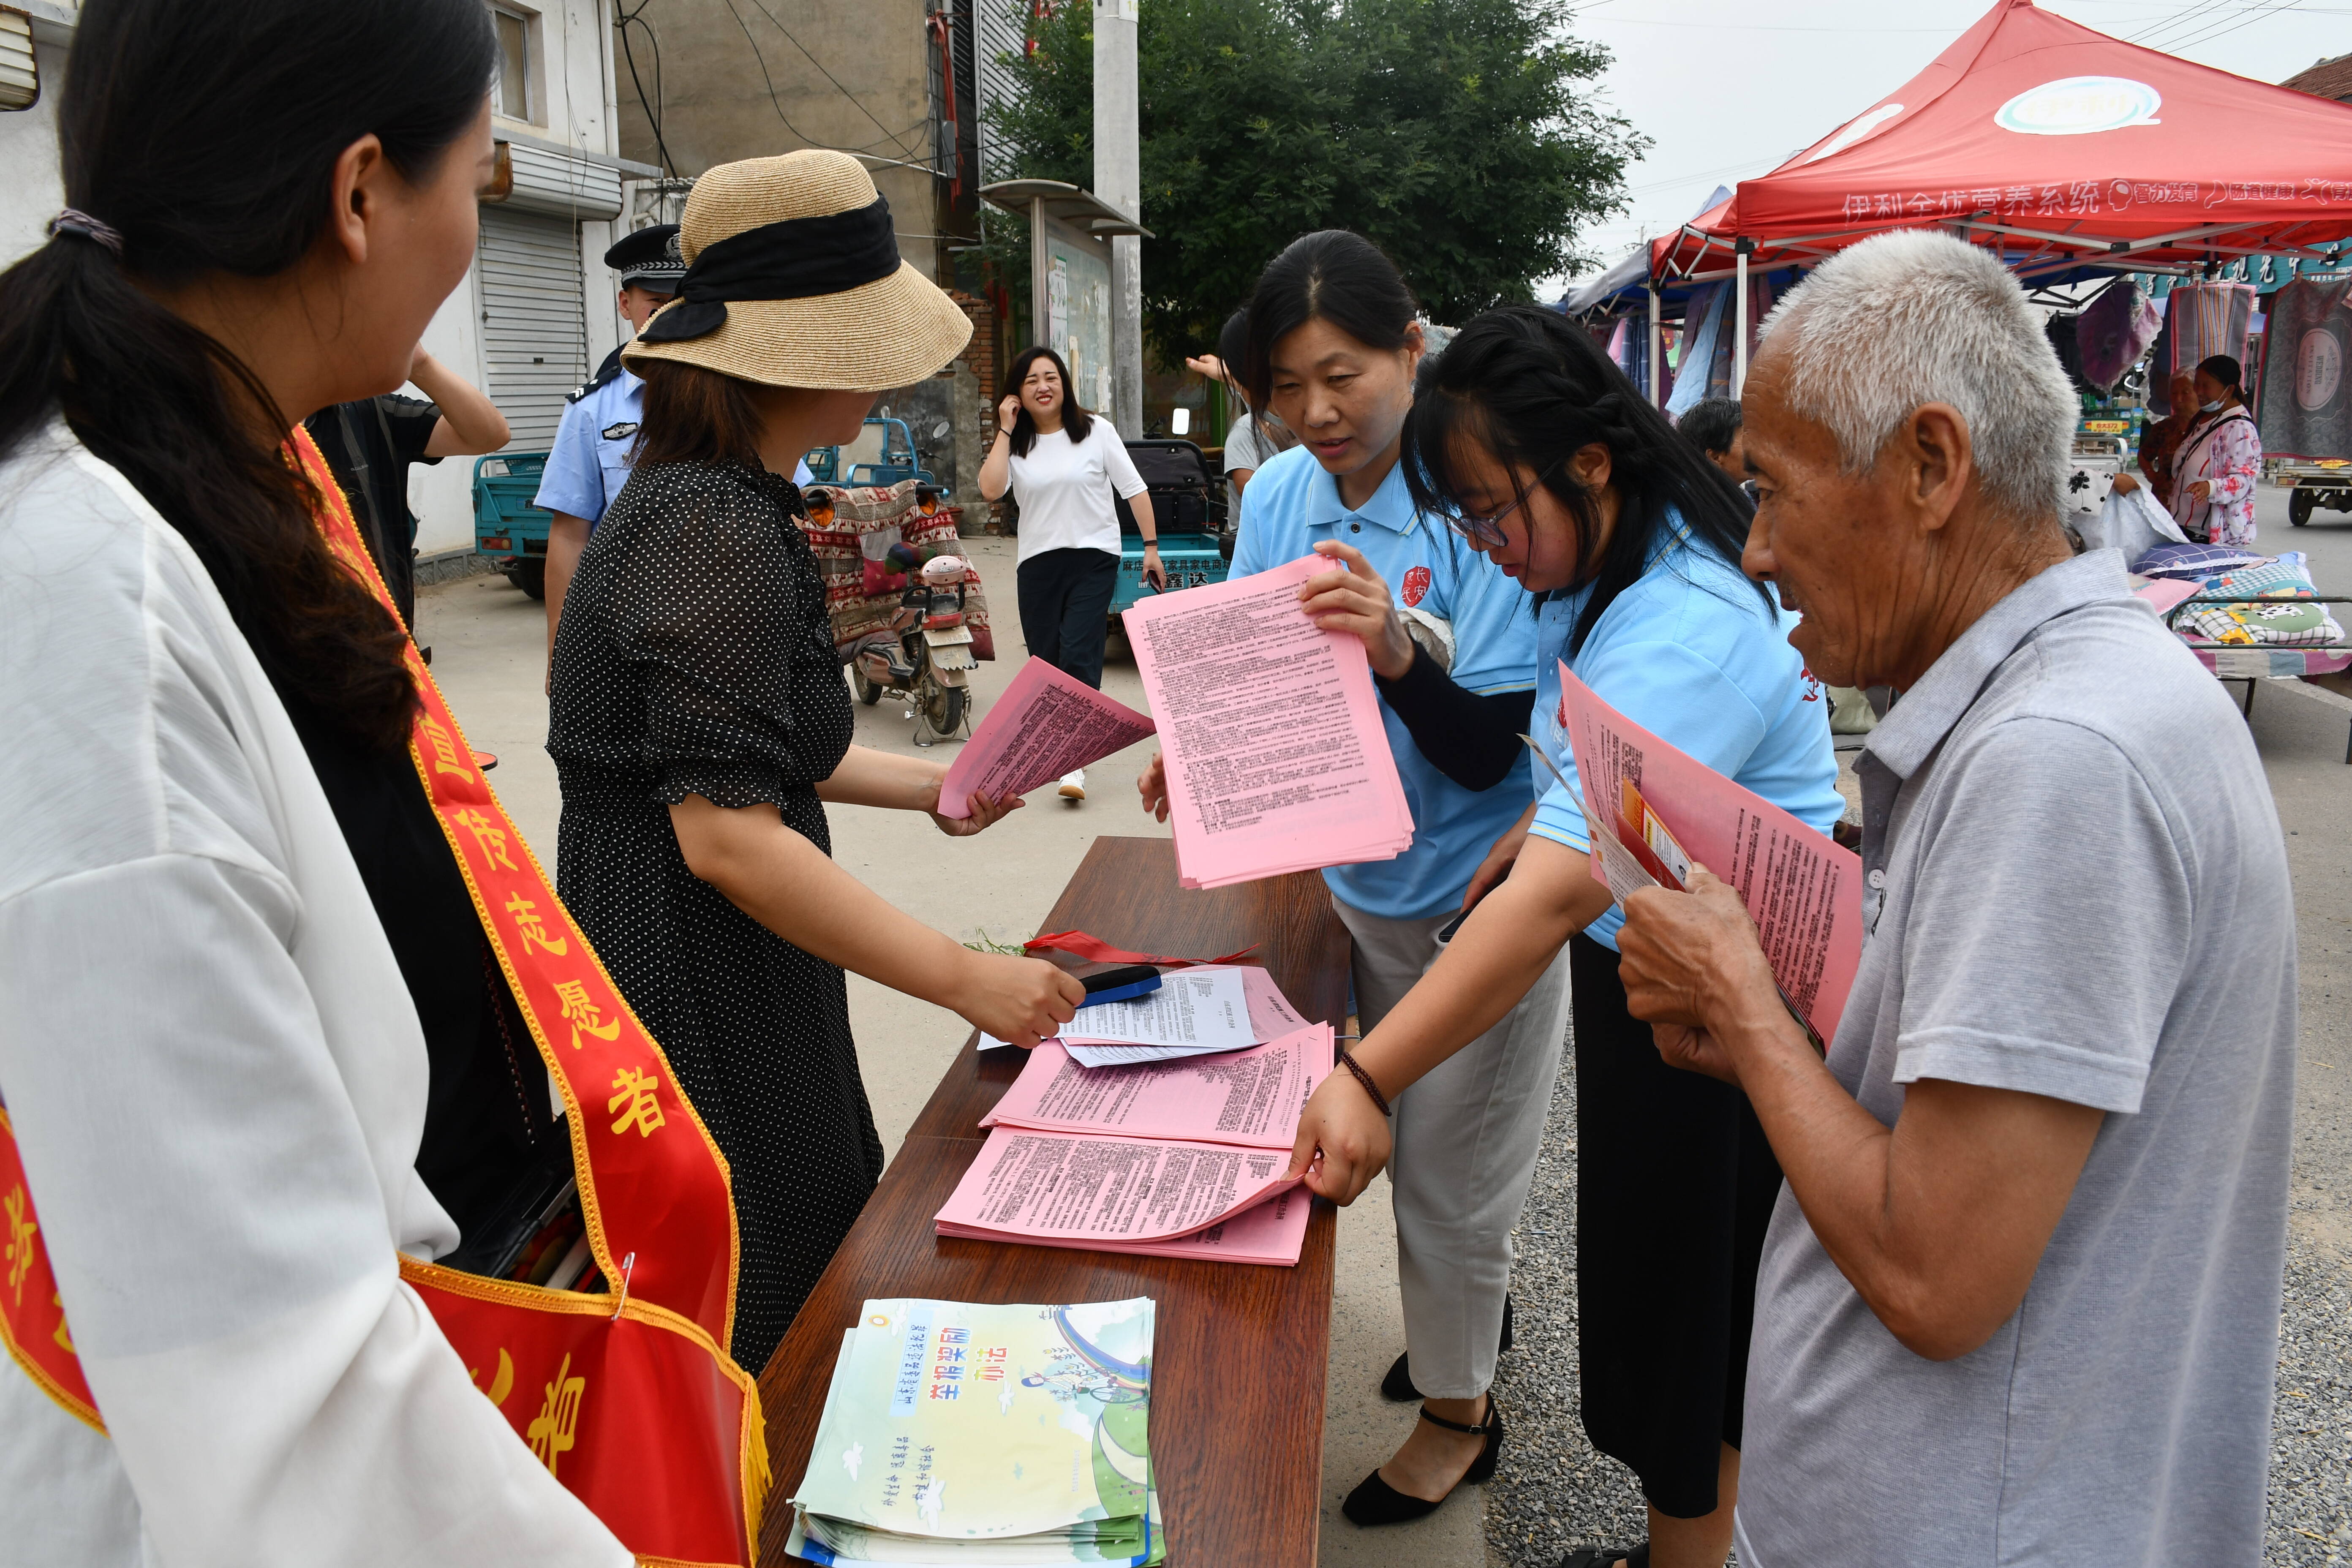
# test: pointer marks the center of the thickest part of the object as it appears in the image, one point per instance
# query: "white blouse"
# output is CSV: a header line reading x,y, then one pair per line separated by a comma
x,y
1064,489
217,1081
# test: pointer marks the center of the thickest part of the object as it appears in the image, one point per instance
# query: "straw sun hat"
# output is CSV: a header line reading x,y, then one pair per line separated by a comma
x,y
793,279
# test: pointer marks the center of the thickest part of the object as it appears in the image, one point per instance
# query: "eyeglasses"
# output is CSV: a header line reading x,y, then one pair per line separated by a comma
x,y
1487,530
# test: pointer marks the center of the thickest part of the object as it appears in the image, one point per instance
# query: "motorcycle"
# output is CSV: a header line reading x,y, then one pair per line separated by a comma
x,y
927,657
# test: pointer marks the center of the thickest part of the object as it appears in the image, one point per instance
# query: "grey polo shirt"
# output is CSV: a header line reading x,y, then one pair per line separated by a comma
x,y
2076,886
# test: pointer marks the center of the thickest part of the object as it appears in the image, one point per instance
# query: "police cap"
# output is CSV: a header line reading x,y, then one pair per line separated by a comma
x,y
649,259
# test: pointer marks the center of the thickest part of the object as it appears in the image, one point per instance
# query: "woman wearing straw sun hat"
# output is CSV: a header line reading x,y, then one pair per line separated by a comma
x,y
700,723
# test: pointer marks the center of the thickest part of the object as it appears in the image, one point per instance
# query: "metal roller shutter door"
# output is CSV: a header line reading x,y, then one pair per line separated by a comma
x,y
534,326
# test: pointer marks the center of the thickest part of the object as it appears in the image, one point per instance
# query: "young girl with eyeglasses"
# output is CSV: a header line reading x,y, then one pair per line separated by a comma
x,y
1332,348
1543,455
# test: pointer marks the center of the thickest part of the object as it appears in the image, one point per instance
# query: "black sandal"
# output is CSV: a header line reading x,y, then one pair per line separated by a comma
x,y
1397,1387
1608,1557
1375,1502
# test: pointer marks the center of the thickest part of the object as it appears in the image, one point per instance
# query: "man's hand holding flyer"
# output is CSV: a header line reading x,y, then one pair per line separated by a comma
x,y
1666,811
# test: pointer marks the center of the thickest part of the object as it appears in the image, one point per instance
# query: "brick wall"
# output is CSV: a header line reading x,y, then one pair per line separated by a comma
x,y
979,358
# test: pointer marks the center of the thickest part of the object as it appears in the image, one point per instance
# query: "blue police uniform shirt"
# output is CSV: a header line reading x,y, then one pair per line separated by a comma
x,y
1293,504
590,460
1690,653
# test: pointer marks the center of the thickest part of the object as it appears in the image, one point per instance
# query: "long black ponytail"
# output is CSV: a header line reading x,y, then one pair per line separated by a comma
x,y
1533,388
205,137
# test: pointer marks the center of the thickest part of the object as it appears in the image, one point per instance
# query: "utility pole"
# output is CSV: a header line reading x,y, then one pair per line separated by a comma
x,y
1118,180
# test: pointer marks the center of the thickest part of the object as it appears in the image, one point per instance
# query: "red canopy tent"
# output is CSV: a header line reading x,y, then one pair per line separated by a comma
x,y
2061,147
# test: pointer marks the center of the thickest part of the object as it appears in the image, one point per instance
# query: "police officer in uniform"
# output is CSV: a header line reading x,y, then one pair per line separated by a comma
x,y
589,461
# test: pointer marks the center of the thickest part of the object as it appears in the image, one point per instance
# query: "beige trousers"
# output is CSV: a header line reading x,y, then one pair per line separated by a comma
x,y
1466,1139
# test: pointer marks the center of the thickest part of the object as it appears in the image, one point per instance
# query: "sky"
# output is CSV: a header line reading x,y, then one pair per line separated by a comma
x,y
1727,88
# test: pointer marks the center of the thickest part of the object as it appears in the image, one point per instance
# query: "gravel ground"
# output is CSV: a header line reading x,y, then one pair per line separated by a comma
x,y
1552,1492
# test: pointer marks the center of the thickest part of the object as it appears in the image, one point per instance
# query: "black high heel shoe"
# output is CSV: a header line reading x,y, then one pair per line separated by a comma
x,y
1397,1387
1376,1502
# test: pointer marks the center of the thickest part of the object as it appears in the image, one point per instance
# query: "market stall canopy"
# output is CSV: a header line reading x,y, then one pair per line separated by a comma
x,y
2062,147
1626,280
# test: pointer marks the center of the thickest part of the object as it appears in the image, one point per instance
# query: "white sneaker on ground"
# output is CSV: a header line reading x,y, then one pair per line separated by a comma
x,y
1074,785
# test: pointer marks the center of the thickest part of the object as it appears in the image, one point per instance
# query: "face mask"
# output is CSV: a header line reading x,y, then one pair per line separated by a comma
x,y
2213,407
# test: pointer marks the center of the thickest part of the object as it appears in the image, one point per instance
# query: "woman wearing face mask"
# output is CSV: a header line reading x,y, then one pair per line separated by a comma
x,y
1558,472
1332,350
2219,461
252,1045
1062,462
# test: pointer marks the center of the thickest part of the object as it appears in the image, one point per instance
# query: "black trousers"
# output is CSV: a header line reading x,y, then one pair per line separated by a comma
x,y
1066,608
1674,1185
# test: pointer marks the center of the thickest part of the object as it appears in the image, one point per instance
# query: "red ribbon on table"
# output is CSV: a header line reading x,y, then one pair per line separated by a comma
x,y
1081,944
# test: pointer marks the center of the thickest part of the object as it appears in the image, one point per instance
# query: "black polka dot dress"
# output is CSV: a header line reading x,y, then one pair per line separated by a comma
x,y
694,657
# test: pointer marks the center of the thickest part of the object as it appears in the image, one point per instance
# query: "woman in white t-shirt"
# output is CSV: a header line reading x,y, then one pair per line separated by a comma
x,y
1063,464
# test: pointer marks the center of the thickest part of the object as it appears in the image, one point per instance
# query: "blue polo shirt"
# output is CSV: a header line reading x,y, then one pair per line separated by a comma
x,y
1293,504
590,460
1690,653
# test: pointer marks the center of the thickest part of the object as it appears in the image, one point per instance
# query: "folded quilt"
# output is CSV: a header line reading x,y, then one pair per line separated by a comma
x,y
2291,615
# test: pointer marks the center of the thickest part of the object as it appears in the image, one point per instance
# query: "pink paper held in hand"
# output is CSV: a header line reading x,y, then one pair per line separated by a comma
x,y
1650,806
1251,1097
1276,757
1046,724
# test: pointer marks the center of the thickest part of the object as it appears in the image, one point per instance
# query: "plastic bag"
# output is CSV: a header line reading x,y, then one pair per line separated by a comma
x,y
2130,521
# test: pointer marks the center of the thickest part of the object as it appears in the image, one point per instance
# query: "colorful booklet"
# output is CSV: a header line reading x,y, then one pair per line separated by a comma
x,y
958,1433
1046,724
1277,756
1653,810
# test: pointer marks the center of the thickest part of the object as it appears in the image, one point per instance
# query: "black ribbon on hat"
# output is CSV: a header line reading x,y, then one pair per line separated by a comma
x,y
797,258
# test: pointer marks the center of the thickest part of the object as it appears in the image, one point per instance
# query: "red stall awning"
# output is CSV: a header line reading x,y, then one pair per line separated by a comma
x,y
2058,145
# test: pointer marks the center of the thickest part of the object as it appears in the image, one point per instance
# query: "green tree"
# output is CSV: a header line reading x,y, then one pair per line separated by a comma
x,y
1458,134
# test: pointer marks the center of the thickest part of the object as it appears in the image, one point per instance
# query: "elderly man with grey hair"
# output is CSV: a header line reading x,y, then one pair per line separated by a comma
x,y
2019,1298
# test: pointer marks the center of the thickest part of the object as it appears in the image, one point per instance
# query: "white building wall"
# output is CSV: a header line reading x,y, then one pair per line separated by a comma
x,y
577,76
576,73
30,189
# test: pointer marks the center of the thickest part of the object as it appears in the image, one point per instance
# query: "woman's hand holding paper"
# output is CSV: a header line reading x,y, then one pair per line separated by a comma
x,y
1694,971
1018,999
1357,600
1343,1140
985,812
1152,784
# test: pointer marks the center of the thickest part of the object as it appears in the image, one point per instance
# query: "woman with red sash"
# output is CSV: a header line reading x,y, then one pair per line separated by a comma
x,y
265,1044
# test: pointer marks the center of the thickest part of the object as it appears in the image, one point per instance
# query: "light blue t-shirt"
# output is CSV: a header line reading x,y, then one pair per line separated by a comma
x,y
590,460
1292,505
1690,653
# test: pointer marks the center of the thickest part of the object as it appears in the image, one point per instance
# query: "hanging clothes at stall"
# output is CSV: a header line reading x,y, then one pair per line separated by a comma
x,y
1704,327
2113,331
2202,320
2306,405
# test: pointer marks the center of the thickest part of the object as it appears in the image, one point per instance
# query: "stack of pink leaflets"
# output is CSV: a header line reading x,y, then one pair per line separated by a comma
x,y
1276,757
1045,725
1188,1158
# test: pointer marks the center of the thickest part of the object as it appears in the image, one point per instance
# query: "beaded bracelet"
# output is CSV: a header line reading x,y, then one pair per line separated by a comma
x,y
1347,1060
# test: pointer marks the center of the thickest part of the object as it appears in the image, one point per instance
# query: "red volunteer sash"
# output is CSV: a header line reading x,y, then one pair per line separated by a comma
x,y
628,1398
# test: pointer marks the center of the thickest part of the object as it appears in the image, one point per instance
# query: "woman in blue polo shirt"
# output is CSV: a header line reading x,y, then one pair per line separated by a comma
x,y
1333,347
1540,451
